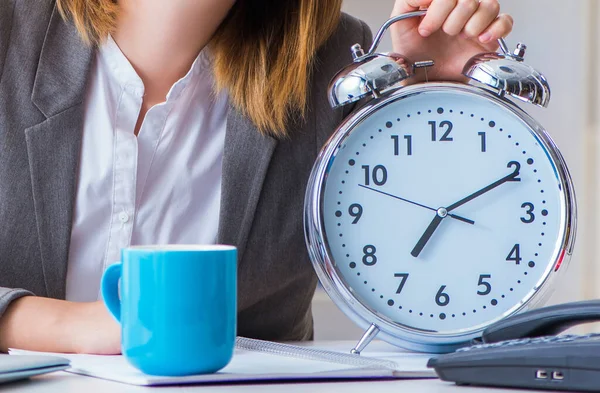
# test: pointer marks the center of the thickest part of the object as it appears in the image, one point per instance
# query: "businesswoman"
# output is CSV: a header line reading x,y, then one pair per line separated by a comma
x,y
144,122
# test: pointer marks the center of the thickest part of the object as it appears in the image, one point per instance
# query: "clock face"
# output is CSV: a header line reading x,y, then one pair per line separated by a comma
x,y
443,212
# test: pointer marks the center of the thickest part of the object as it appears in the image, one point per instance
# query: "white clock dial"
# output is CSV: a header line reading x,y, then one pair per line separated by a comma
x,y
443,211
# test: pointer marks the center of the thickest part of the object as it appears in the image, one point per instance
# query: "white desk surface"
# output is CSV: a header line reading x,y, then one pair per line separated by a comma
x,y
62,382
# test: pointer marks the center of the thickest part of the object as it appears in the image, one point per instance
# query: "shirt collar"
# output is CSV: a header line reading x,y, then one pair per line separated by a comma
x,y
124,73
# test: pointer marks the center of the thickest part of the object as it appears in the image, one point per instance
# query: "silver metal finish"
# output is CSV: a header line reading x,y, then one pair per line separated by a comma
x,y
366,339
346,299
506,73
370,78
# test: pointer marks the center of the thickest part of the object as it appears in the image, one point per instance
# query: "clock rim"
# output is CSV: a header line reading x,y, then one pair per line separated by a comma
x,y
321,257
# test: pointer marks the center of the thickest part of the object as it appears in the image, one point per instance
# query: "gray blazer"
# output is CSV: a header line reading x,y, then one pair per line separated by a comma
x,y
43,75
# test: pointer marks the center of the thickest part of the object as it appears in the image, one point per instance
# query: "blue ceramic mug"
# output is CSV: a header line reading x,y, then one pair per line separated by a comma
x,y
177,307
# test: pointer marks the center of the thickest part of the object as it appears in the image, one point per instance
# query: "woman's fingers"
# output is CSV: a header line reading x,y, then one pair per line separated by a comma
x,y
404,6
437,13
459,17
501,27
487,12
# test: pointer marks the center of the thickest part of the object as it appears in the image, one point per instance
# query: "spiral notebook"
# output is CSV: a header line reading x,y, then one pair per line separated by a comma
x,y
256,361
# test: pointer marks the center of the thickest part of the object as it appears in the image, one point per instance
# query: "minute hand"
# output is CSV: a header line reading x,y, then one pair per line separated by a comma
x,y
482,191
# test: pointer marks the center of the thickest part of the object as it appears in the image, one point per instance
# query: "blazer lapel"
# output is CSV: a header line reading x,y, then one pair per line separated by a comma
x,y
54,145
245,164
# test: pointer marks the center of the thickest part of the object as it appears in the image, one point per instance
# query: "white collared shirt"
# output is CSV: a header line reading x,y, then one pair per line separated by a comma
x,y
161,187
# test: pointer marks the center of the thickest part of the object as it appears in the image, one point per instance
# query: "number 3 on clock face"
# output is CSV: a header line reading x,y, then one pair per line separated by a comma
x,y
443,211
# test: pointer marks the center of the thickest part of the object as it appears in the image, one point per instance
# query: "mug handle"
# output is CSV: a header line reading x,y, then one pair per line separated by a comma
x,y
110,290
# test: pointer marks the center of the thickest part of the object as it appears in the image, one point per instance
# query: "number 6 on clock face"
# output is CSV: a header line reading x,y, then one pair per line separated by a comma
x,y
442,210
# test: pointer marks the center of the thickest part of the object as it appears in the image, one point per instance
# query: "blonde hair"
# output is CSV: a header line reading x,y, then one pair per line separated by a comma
x,y
263,51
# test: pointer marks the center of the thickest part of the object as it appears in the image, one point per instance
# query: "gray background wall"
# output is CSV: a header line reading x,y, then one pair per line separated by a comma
x,y
562,43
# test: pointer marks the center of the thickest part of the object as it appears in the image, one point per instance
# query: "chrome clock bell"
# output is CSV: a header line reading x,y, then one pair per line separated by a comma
x,y
437,209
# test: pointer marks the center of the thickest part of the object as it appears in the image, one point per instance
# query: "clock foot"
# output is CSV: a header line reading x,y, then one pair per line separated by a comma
x,y
366,339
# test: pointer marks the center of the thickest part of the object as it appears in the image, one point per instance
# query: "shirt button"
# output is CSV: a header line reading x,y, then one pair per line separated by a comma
x,y
124,217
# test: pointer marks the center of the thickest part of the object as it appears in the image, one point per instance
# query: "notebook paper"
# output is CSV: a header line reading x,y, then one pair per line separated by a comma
x,y
259,364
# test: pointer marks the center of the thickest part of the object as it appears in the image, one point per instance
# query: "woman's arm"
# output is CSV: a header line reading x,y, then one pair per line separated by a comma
x,y
50,325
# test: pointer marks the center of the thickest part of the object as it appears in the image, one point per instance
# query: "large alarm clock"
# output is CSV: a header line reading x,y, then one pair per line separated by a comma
x,y
438,209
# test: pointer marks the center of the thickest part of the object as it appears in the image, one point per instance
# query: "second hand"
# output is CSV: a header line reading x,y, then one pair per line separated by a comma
x,y
456,217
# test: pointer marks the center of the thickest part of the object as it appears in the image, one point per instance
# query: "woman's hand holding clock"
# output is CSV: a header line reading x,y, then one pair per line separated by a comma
x,y
450,34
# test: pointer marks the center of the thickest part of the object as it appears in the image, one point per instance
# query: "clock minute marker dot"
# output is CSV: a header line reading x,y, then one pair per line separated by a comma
x,y
543,223
484,307
524,152
358,274
494,302
357,153
372,137
544,212
418,113
389,124
340,193
531,264
390,302
408,115
540,244
530,161
352,265
503,296
343,181
517,144
543,234
339,203
372,289
512,289
482,119
535,171
351,162
347,255
440,110
410,311
400,308
492,124
398,119
341,235
364,145
462,113
536,254
518,281
510,136
366,282
464,314
339,225
430,315
429,111
381,297
451,111
525,273
338,213
544,202
501,130
453,315
343,245
474,311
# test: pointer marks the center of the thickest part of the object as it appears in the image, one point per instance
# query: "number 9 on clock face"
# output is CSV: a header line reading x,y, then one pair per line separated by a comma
x,y
441,210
